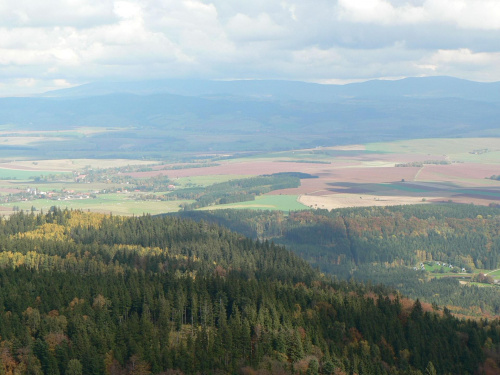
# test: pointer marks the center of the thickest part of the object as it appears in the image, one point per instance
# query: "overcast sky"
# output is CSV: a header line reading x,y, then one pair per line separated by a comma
x,y
47,44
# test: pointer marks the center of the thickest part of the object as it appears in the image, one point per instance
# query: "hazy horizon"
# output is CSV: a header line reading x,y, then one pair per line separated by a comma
x,y
61,43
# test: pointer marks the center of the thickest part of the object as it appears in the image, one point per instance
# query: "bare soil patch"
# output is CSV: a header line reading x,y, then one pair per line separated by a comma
x,y
348,148
18,167
21,141
10,190
334,201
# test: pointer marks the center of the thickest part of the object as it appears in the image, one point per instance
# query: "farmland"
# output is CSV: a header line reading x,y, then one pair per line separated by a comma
x,y
467,278
424,172
119,204
283,203
429,171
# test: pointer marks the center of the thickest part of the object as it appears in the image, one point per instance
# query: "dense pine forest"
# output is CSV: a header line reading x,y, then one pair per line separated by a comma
x,y
85,293
383,244
465,235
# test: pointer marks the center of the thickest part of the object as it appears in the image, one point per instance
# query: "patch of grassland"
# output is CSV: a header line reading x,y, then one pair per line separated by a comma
x,y
455,148
118,204
17,174
203,181
284,203
313,156
495,274
480,193
72,164
446,270
435,270
70,185
138,208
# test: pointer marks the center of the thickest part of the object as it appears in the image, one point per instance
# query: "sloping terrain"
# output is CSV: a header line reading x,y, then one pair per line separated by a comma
x,y
94,294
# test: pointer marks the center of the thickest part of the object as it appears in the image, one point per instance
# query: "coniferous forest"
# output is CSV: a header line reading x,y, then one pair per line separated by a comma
x,y
85,293
381,245
465,235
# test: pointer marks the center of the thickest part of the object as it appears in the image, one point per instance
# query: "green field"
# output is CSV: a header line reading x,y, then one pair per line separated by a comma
x,y
434,269
447,270
495,274
208,180
334,175
323,155
116,203
17,174
465,276
60,185
284,203
458,149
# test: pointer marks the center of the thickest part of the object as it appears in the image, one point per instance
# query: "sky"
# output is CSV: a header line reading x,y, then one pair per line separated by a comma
x,y
50,44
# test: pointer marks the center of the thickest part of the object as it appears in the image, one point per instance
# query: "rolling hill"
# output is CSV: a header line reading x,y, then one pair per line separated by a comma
x,y
158,118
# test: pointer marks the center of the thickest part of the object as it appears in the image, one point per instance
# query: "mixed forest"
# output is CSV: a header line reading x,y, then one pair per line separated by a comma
x,y
84,293
465,235
383,244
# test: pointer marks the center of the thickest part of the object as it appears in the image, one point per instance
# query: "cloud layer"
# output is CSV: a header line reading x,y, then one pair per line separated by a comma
x,y
55,43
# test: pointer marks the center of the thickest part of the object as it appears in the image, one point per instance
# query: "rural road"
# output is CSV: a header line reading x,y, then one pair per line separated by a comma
x,y
492,271
418,172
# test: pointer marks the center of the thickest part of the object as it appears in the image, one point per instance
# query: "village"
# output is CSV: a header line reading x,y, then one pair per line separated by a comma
x,y
89,184
443,265
466,274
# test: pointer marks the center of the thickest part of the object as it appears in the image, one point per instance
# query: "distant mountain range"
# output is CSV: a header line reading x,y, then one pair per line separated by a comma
x,y
231,116
423,88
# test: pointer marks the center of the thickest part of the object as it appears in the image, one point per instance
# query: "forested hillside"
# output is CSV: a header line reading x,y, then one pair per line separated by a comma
x,y
383,244
85,293
465,235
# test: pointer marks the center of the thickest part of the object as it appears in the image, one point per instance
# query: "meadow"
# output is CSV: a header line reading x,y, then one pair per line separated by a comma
x,y
283,203
16,174
439,272
494,274
119,204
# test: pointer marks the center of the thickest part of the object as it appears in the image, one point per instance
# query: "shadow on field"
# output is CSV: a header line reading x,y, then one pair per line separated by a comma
x,y
415,189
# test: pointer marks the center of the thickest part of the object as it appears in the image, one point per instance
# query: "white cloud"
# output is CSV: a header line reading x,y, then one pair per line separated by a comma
x,y
470,14
82,40
127,9
380,11
482,66
250,29
477,14
47,13
290,8
464,56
